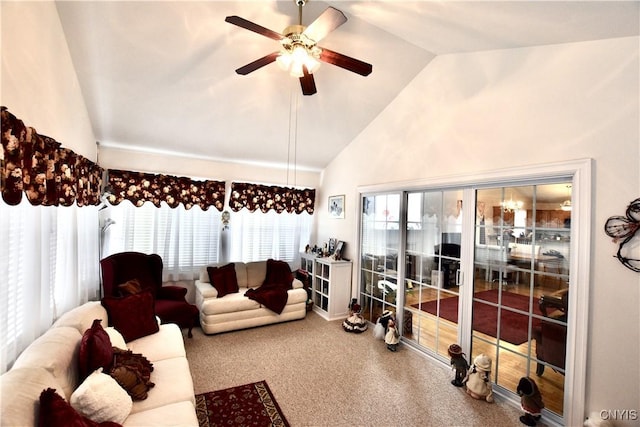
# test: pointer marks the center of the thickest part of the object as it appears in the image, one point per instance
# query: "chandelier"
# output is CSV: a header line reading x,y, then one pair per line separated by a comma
x,y
566,205
511,205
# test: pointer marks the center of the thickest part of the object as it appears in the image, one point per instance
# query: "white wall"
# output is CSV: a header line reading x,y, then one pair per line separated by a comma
x,y
205,169
39,84
469,113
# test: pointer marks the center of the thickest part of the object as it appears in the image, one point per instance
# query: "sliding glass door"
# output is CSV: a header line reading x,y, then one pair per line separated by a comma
x,y
521,284
513,245
434,228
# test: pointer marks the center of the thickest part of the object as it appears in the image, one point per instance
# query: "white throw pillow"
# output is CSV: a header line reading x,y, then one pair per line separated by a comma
x,y
116,338
100,398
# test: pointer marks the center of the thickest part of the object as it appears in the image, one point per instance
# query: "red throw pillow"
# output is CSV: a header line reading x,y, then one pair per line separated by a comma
x,y
54,411
96,350
224,279
133,316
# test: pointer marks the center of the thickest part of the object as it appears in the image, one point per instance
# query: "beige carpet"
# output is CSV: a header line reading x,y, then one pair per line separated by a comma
x,y
323,376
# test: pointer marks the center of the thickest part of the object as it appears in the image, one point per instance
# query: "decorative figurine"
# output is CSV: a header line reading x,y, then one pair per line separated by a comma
x,y
380,330
392,337
354,323
459,364
530,401
478,380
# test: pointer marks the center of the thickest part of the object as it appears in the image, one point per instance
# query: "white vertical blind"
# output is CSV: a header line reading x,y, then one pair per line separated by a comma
x,y
185,239
48,266
256,236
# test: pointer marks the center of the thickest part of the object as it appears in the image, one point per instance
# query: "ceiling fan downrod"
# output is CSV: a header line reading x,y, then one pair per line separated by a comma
x,y
300,3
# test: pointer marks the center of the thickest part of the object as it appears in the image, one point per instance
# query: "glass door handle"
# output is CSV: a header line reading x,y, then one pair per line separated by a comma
x,y
459,277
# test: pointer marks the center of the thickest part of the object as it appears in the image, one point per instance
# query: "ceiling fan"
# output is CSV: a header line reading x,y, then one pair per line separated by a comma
x,y
300,54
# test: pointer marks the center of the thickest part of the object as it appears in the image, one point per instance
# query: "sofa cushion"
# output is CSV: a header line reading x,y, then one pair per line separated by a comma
x,y
82,317
20,391
174,414
95,350
165,344
173,384
256,272
57,351
228,304
223,279
241,274
54,411
100,398
133,316
116,338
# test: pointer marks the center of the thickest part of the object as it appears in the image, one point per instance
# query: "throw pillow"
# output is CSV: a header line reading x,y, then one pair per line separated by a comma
x,y
54,411
133,372
224,279
279,274
133,316
130,287
95,350
100,398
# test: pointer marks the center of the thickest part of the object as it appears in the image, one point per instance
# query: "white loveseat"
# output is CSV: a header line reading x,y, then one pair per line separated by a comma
x,y
51,361
236,311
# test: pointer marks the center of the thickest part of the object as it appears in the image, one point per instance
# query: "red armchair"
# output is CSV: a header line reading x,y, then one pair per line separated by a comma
x,y
169,301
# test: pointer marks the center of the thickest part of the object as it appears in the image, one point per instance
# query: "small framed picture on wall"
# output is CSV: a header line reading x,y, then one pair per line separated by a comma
x,y
336,206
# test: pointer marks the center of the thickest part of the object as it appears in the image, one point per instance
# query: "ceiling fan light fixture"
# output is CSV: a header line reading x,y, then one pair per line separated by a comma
x,y
304,41
295,54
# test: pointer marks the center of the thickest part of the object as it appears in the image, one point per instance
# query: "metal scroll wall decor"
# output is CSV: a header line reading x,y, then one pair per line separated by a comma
x,y
626,228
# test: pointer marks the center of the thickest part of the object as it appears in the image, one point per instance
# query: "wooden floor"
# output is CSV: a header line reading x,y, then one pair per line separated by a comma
x,y
437,334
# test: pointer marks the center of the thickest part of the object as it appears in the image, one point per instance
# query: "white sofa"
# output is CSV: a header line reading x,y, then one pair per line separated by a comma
x,y
51,361
236,311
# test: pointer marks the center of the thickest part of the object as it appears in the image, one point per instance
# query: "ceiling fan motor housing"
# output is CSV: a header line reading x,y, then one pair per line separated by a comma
x,y
294,37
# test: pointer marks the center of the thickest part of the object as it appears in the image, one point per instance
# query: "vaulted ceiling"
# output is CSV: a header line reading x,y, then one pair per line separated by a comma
x,y
159,75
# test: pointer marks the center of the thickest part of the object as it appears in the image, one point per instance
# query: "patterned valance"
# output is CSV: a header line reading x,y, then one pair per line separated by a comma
x,y
139,187
265,198
49,175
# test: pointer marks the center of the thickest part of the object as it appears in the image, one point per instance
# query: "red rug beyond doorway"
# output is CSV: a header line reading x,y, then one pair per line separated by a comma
x,y
513,326
245,405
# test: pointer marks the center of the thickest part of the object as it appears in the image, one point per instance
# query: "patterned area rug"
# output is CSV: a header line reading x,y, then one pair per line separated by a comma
x,y
245,405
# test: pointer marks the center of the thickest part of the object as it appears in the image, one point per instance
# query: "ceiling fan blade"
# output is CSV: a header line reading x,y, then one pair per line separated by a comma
x,y
258,63
330,19
346,62
307,82
248,25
